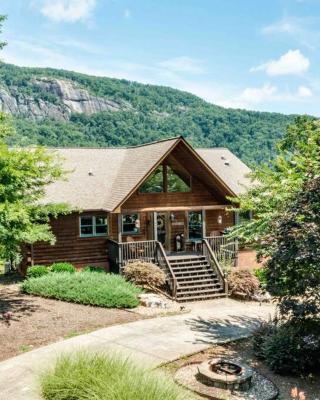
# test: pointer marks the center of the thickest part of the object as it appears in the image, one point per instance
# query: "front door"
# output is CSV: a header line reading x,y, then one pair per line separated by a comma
x,y
162,231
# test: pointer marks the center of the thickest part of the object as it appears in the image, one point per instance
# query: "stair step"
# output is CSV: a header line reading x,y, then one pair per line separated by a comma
x,y
184,260
185,267
198,282
189,264
193,271
192,291
199,298
207,275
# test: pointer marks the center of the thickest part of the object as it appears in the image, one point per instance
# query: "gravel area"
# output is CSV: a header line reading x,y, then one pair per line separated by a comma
x,y
242,350
36,321
261,389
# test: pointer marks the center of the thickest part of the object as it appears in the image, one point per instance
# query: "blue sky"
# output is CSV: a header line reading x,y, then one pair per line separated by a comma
x,y
254,54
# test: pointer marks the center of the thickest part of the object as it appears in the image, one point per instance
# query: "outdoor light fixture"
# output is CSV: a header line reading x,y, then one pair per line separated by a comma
x,y
219,219
137,224
172,217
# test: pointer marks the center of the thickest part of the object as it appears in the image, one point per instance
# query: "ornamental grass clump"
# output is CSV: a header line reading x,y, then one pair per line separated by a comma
x,y
88,376
94,288
145,274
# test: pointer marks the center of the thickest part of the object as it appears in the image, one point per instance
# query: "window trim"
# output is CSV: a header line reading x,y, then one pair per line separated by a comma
x,y
131,232
94,226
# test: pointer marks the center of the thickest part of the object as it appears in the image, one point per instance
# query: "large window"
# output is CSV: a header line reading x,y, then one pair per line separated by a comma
x,y
154,184
195,225
166,179
130,224
177,183
93,226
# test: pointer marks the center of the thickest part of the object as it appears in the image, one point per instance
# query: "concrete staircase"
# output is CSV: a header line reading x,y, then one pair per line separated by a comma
x,y
196,280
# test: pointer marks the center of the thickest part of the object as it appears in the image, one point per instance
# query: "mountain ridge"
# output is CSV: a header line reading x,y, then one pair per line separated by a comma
x,y
62,108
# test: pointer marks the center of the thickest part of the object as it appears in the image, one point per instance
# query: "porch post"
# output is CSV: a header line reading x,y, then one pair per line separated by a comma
x,y
204,229
155,230
119,228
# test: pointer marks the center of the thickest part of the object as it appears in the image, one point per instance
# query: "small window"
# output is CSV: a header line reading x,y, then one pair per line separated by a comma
x,y
195,225
130,224
93,226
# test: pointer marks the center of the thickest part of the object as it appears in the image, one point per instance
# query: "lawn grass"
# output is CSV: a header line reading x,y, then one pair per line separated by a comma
x,y
88,376
94,288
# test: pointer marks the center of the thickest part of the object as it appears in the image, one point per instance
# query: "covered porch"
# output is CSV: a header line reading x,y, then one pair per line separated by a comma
x,y
170,233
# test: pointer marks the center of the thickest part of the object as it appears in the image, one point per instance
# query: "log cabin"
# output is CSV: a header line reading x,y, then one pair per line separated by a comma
x,y
163,202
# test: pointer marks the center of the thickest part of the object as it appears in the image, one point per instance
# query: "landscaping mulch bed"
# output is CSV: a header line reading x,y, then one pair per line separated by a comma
x,y
243,350
37,321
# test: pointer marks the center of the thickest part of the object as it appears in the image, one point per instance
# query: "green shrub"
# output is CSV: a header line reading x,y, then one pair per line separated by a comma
x,y
145,274
260,335
243,283
37,270
63,267
292,349
92,268
261,274
84,376
105,290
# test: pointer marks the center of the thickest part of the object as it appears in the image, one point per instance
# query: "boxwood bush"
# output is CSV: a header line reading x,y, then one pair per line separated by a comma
x,y
92,268
63,267
105,290
37,270
84,376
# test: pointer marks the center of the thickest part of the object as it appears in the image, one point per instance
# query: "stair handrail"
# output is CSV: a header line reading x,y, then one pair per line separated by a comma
x,y
166,266
212,258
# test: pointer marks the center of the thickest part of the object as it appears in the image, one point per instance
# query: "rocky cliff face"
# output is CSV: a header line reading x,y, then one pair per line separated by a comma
x,y
70,99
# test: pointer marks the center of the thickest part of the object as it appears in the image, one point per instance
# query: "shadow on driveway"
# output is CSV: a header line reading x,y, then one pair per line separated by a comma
x,y
216,330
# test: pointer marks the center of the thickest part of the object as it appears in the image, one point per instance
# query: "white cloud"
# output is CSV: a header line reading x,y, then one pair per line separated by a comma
x,y
258,95
67,10
304,92
291,63
183,64
127,13
303,30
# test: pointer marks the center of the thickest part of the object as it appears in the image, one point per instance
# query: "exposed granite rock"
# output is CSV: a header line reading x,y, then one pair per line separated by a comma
x,y
70,99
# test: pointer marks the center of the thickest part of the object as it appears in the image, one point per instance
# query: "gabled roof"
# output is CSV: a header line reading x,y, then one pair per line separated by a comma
x,y
102,178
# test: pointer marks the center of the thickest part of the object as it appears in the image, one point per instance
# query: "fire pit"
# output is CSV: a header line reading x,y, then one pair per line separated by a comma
x,y
225,374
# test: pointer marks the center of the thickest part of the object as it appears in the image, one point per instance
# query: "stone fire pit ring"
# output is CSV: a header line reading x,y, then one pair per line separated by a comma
x,y
240,379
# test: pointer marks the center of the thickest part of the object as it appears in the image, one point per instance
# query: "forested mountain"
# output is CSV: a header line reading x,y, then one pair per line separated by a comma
x,y
62,108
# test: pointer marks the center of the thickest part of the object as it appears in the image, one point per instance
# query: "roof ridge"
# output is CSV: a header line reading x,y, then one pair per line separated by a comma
x,y
112,147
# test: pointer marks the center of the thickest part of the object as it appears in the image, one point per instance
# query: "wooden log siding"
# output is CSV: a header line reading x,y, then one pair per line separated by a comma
x,y
212,220
70,246
199,196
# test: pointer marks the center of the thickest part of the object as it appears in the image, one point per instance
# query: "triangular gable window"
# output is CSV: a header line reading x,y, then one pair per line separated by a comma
x,y
166,179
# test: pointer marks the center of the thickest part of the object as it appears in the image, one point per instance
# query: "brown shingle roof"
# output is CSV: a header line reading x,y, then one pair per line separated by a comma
x,y
101,178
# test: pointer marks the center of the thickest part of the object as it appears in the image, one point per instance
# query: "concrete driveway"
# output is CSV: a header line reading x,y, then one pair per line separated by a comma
x,y
150,342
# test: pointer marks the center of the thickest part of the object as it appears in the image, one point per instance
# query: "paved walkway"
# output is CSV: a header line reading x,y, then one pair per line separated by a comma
x,y
151,342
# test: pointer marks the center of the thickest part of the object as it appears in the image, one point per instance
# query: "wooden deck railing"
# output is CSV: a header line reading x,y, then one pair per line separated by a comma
x,y
162,260
225,249
211,257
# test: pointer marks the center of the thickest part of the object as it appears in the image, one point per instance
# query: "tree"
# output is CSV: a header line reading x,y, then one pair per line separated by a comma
x,y
2,19
286,228
24,174
276,185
